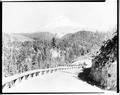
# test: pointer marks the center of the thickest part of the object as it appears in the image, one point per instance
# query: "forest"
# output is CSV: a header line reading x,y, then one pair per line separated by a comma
x,y
21,56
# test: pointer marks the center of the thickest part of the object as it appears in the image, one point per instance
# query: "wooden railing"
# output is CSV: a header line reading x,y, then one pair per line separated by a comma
x,y
10,81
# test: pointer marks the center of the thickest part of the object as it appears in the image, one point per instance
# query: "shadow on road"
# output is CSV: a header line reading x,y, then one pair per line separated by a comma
x,y
85,76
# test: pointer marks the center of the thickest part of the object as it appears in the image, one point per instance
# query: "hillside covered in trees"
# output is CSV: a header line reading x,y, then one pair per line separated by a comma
x,y
104,68
103,72
38,51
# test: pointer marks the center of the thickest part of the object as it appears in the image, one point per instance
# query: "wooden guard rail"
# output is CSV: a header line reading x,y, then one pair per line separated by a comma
x,y
10,81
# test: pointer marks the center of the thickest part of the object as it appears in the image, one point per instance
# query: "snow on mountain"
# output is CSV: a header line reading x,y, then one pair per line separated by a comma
x,y
62,25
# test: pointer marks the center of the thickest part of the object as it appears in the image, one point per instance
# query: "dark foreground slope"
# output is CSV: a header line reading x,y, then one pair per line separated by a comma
x,y
104,68
103,72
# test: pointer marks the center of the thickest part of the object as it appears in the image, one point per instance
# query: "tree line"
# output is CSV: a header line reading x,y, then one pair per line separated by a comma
x,y
19,57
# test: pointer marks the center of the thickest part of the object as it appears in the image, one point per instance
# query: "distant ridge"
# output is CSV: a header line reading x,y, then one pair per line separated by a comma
x,y
86,39
39,35
15,37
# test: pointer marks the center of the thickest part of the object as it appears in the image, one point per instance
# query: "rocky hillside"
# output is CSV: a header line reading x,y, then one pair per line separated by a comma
x,y
104,67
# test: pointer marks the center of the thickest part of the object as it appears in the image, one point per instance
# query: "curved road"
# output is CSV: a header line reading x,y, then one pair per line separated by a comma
x,y
60,81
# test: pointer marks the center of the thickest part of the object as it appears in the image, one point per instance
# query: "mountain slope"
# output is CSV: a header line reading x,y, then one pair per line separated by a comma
x,y
105,64
15,37
85,39
39,35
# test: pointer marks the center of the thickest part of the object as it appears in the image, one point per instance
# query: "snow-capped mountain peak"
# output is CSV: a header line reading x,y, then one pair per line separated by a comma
x,y
62,25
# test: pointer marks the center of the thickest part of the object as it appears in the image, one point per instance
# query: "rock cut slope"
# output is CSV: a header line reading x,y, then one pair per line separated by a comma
x,y
104,68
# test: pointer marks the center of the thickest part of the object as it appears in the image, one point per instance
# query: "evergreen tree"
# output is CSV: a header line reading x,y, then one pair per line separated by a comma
x,y
53,43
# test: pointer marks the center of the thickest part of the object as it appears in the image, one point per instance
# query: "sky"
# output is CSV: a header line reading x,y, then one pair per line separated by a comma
x,y
28,17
